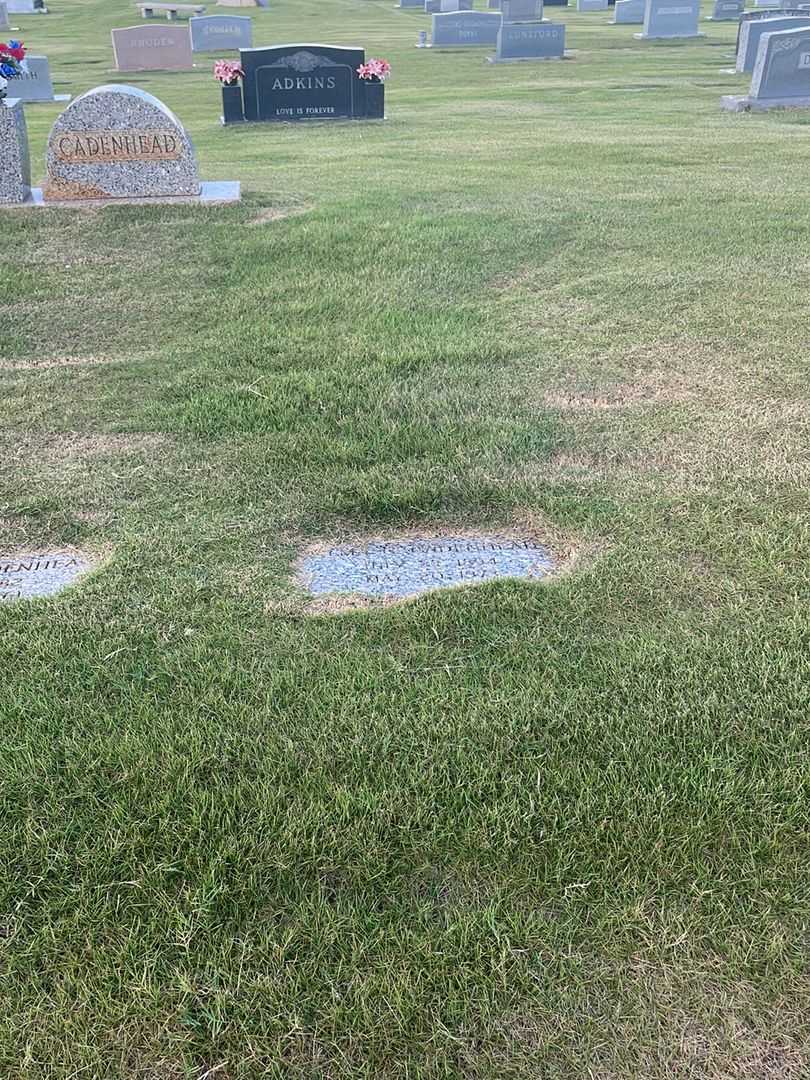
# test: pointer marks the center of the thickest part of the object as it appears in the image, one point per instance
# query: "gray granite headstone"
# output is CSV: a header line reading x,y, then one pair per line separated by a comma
x,y
402,568
411,4
34,81
118,142
752,32
766,3
465,28
4,23
220,33
726,10
671,19
152,48
15,165
592,5
781,76
494,5
752,16
22,7
530,41
433,7
628,11
516,11
23,577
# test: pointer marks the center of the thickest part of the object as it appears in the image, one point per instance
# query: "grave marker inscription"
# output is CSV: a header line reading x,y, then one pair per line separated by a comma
x,y
24,577
403,568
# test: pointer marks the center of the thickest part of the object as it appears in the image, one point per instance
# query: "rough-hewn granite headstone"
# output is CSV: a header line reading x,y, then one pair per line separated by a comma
x,y
15,165
530,41
726,10
465,28
529,11
752,32
402,568
671,19
25,576
34,82
153,48
303,82
781,76
220,33
628,11
118,142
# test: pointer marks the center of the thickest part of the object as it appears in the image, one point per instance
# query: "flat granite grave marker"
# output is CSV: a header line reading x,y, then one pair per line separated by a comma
x,y
15,163
23,577
726,11
34,82
628,11
752,32
308,82
220,33
118,142
668,19
529,41
465,29
781,78
398,569
153,48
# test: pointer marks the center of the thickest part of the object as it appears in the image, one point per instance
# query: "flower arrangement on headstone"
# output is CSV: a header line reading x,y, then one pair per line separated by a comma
x,y
228,73
12,56
373,74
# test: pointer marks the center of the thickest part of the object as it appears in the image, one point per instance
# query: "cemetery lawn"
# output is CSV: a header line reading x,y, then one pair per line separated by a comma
x,y
548,832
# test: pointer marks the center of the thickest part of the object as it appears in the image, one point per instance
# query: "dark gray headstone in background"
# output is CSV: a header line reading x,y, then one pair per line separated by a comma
x,y
726,10
220,33
25,576
522,10
671,19
401,568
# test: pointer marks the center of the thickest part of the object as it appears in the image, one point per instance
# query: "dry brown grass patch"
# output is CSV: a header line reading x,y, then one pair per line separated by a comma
x,y
272,214
54,362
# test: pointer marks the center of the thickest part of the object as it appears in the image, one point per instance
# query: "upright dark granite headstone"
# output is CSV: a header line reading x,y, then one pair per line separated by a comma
x,y
303,82
726,10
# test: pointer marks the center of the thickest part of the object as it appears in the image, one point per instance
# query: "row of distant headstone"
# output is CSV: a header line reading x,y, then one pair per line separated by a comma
x,y
145,48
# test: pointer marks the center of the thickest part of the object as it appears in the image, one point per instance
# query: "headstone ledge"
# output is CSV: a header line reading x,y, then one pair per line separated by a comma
x,y
15,165
402,568
117,142
220,33
152,47
781,78
29,575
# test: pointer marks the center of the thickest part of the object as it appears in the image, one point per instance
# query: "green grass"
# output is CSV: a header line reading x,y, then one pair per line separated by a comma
x,y
541,833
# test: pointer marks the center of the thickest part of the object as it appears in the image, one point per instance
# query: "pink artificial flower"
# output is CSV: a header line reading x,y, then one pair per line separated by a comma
x,y
228,71
375,69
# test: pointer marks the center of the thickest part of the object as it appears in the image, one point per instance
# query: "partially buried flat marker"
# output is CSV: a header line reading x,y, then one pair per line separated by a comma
x,y
401,568
23,577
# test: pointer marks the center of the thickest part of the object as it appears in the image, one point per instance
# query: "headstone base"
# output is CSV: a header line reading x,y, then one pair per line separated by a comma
x,y
211,191
667,37
528,59
731,103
